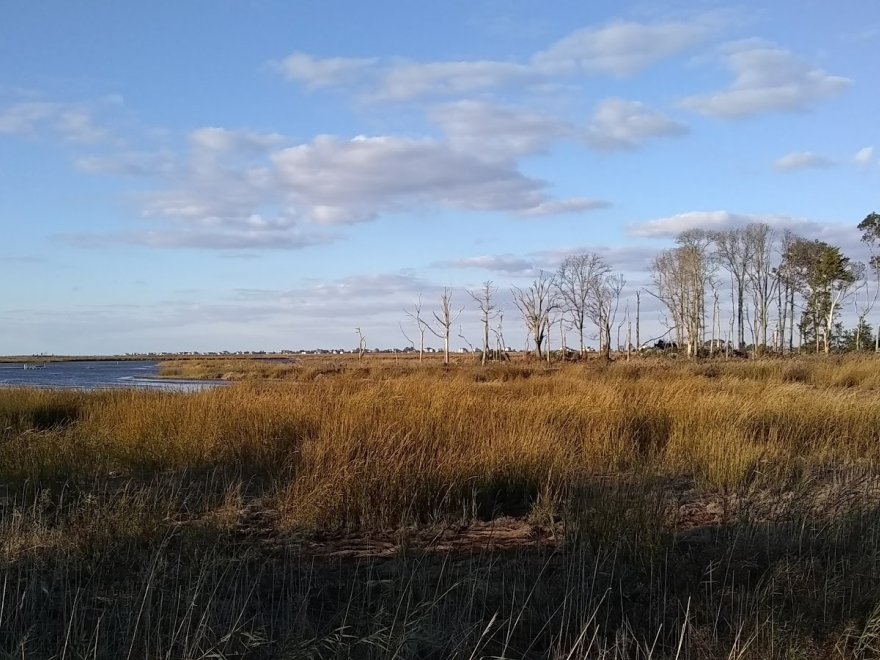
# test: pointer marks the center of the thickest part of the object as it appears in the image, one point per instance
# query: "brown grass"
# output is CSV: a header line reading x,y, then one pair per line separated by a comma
x,y
729,507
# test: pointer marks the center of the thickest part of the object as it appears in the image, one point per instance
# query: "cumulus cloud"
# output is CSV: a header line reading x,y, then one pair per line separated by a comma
x,y
353,180
621,124
801,160
672,226
864,156
244,189
497,131
767,79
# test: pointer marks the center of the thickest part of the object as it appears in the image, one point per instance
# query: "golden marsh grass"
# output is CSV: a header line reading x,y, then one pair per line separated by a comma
x,y
726,508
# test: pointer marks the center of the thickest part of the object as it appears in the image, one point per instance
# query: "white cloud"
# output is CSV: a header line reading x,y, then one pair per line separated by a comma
x,y
497,131
228,141
767,79
801,160
73,122
621,124
241,189
624,48
405,81
864,156
316,72
672,226
353,180
620,48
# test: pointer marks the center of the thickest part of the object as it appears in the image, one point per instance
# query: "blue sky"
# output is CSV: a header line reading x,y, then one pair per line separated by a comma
x,y
266,175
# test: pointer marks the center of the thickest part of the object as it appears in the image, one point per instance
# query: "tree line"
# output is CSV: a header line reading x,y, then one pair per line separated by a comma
x,y
783,293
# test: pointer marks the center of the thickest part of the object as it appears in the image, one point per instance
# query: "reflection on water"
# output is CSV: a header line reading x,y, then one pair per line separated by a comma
x,y
94,375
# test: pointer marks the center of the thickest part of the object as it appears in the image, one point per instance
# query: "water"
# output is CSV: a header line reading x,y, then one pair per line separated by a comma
x,y
94,375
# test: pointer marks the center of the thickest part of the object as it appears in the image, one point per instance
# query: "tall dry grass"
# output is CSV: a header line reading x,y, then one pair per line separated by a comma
x,y
726,509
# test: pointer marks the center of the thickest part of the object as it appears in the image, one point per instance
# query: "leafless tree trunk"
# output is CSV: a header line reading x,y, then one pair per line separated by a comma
x,y
443,321
733,252
500,348
680,277
715,319
628,333
562,347
759,276
362,343
729,339
602,306
535,304
483,297
547,335
638,321
416,315
578,279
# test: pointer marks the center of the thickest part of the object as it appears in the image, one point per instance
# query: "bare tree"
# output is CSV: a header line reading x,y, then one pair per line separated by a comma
x,y
498,331
416,315
483,297
535,304
443,321
715,318
602,305
578,279
761,283
362,343
680,276
732,252
638,325
786,288
608,297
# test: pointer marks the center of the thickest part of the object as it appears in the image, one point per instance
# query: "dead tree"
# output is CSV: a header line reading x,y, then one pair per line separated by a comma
x,y
535,304
498,331
602,308
362,343
577,280
483,297
732,251
680,275
443,321
638,312
416,315
760,280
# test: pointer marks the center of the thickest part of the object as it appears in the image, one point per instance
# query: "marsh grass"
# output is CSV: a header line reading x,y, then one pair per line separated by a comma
x,y
726,509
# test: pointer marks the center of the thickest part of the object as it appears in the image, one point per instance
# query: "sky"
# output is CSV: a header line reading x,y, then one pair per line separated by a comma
x,y
266,175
